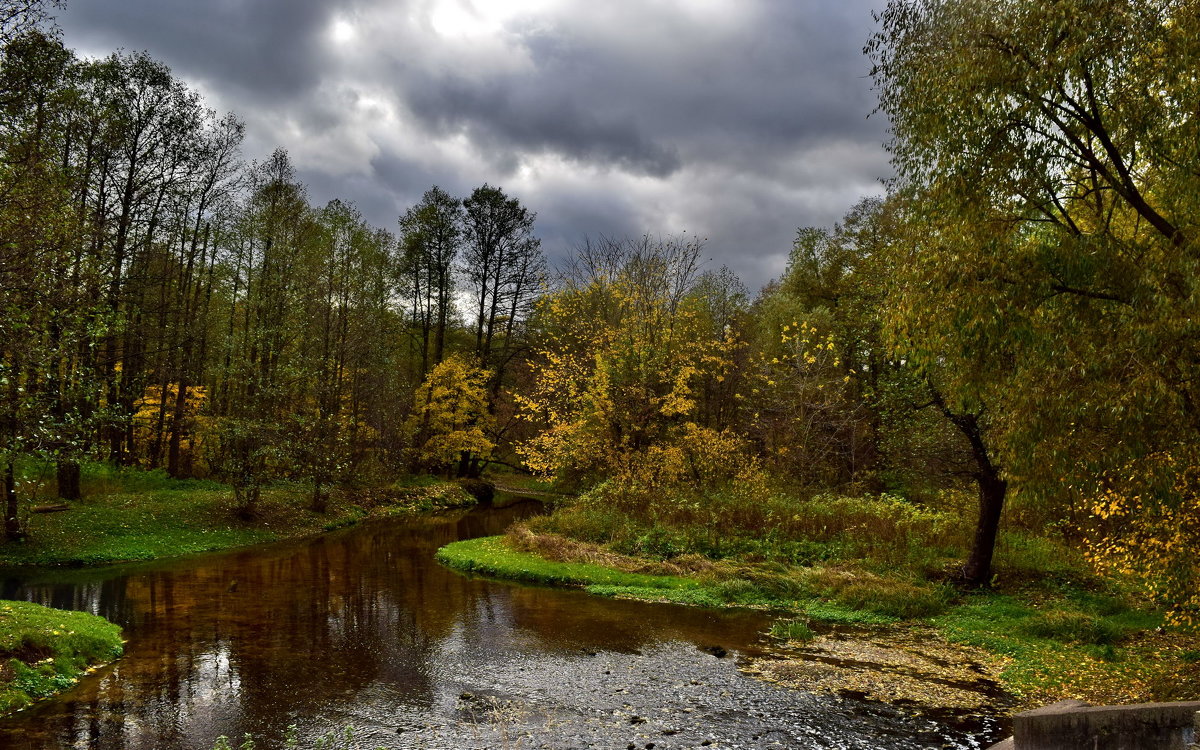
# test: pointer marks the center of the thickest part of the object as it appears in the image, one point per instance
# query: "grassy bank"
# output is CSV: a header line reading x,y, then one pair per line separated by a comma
x,y
1076,644
495,557
43,651
1056,629
136,515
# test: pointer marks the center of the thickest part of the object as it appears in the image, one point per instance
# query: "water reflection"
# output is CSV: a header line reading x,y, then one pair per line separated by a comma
x,y
360,625
252,641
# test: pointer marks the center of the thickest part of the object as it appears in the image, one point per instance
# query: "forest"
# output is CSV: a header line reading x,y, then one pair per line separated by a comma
x,y
981,379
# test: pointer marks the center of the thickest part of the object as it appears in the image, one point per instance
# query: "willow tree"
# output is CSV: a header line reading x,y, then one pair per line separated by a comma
x,y
1051,155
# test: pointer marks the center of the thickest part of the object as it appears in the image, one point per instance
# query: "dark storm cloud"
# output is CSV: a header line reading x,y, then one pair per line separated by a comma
x,y
258,48
502,118
735,120
659,100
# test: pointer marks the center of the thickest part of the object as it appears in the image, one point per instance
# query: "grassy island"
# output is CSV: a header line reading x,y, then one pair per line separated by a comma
x,y
44,651
1048,627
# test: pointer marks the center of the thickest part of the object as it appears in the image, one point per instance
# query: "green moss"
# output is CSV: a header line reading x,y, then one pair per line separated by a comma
x,y
44,651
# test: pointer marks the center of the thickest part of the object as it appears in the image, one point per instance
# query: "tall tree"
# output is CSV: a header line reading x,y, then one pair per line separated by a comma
x,y
261,379
431,236
504,268
344,299
41,314
1048,154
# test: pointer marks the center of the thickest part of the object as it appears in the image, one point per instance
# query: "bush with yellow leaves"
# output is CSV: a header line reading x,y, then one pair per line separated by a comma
x,y
1146,527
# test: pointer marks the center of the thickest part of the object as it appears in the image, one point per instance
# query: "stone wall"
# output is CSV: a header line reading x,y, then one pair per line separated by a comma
x,y
1074,725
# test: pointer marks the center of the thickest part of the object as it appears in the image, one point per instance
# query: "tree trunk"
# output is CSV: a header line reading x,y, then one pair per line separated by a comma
x,y
68,480
176,435
246,499
992,490
12,520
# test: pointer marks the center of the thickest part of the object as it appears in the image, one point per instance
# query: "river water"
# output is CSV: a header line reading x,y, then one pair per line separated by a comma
x,y
362,628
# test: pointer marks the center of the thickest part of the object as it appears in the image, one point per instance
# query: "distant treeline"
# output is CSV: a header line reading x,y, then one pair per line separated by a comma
x,y
165,304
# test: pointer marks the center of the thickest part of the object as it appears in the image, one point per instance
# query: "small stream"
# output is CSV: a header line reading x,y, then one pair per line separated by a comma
x,y
361,627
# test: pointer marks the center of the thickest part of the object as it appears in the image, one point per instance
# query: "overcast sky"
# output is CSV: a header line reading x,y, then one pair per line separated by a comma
x,y
733,120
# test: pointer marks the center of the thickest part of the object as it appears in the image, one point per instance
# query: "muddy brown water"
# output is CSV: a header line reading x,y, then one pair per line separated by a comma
x,y
363,628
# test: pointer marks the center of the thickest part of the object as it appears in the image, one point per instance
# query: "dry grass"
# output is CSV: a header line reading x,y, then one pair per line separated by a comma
x,y
558,548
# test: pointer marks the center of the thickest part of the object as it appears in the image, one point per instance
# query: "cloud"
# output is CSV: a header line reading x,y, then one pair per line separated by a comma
x,y
738,120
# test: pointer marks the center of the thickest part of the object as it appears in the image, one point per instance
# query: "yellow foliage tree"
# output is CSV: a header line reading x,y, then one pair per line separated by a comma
x,y
450,415
154,415
802,405
616,388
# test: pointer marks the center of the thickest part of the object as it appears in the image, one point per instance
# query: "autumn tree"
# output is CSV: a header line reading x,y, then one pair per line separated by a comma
x,y
163,305
150,122
450,414
1047,155
625,346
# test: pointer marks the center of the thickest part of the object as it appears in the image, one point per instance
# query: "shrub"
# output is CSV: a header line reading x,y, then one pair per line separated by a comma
x,y
792,630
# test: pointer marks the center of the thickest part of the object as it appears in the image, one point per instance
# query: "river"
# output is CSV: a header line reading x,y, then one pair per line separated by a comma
x,y
361,627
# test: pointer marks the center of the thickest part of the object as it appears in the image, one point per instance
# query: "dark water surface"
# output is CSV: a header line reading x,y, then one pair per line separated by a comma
x,y
362,627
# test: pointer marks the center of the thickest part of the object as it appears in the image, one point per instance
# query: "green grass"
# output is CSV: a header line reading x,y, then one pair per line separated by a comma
x,y
43,651
792,630
130,515
490,556
141,526
1076,644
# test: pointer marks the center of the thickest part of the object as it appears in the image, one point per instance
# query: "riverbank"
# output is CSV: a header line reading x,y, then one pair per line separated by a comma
x,y
44,651
1039,642
136,515
412,653
494,557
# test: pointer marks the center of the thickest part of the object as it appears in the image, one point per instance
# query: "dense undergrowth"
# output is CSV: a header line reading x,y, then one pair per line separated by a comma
x,y
43,651
1062,630
130,514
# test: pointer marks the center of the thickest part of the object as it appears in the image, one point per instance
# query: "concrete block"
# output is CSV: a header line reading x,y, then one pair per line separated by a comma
x,y
1074,725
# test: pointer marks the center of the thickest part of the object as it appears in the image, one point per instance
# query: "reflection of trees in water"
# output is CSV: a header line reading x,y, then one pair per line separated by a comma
x,y
256,640
250,641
